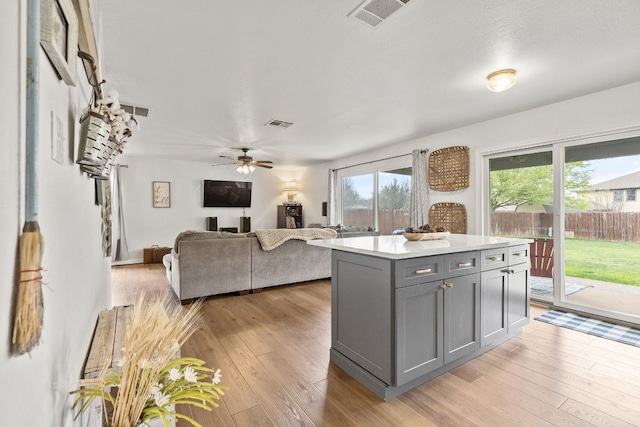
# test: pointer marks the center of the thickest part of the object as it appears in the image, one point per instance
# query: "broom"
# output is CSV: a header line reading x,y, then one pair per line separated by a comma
x,y
27,325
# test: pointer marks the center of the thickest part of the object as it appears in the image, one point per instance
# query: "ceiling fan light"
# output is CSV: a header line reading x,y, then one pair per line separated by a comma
x,y
245,168
501,80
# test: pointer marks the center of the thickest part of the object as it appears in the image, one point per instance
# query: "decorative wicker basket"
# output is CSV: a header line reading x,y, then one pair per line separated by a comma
x,y
449,169
452,216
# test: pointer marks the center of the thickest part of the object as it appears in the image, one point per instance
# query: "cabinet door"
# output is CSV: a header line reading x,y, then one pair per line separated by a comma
x,y
419,330
493,306
462,316
518,297
361,311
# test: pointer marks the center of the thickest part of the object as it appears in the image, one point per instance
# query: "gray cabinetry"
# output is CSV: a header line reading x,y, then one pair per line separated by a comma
x,y
493,302
396,323
419,330
436,322
504,293
462,316
518,296
361,297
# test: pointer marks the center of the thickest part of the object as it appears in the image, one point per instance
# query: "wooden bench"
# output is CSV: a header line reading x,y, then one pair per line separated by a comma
x,y
106,349
106,344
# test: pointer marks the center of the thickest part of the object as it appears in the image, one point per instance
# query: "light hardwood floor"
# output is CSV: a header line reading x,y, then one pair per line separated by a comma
x,y
273,349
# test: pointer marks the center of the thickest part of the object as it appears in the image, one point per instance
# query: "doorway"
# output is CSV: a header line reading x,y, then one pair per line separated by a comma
x,y
601,235
579,204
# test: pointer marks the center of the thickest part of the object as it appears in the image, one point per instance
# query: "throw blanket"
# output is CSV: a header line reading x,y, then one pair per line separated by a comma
x,y
272,238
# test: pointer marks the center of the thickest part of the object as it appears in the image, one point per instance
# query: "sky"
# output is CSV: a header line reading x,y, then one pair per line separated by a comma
x,y
364,183
606,169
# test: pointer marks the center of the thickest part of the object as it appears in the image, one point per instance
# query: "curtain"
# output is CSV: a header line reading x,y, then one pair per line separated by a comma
x,y
419,209
332,198
120,250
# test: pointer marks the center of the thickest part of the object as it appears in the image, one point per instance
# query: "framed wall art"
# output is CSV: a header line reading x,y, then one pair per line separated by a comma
x,y
161,194
59,37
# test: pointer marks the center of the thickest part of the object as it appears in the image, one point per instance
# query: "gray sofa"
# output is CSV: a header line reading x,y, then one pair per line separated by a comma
x,y
345,231
212,263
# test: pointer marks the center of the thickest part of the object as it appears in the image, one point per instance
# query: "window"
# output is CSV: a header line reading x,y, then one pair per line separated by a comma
x,y
376,196
631,195
618,195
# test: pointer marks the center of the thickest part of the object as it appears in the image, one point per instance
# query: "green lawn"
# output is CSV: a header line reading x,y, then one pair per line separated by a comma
x,y
615,262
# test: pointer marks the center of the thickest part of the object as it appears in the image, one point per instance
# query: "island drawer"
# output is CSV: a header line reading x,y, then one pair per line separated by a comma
x,y
494,258
518,254
459,264
419,270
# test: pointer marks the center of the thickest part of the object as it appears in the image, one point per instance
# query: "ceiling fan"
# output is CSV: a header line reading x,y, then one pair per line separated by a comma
x,y
245,163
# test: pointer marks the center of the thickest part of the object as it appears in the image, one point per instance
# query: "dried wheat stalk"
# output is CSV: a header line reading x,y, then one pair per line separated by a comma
x,y
156,332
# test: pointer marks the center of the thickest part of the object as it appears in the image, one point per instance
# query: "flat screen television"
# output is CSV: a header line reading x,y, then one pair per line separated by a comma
x,y
227,194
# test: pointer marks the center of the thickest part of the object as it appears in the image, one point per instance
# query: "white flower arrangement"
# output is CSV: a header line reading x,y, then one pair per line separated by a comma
x,y
121,122
150,380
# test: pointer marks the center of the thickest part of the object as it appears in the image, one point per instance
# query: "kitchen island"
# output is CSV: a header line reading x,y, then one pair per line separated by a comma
x,y
404,312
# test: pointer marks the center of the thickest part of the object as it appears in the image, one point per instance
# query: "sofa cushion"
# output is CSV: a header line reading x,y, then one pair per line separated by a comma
x,y
203,235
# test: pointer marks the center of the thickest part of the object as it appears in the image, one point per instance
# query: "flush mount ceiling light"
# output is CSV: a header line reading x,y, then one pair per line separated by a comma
x,y
501,80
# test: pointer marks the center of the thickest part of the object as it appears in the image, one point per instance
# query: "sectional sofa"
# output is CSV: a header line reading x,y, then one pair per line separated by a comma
x,y
205,263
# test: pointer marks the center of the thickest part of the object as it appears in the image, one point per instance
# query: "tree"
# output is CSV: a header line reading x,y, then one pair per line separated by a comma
x,y
350,197
512,187
395,196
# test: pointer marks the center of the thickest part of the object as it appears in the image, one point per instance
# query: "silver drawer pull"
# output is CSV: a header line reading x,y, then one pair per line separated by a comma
x,y
449,285
518,254
464,264
495,258
442,286
425,271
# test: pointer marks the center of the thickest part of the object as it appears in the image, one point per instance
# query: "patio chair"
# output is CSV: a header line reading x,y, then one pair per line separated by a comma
x,y
541,255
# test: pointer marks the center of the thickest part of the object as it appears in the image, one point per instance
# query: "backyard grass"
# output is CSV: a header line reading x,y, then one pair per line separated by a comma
x,y
614,262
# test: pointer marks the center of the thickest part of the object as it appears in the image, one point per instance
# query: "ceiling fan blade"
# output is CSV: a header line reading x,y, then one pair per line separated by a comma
x,y
263,166
229,157
262,161
223,164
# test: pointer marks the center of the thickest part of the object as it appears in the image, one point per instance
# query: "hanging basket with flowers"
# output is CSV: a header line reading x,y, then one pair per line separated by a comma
x,y
104,131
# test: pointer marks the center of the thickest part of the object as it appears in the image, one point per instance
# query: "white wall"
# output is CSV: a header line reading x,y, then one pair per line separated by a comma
x,y
77,278
587,117
593,114
146,225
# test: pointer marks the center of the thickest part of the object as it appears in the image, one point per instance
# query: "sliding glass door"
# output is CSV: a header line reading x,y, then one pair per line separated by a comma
x,y
521,205
601,237
579,203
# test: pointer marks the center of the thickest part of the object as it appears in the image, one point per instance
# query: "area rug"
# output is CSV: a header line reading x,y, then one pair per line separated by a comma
x,y
543,287
593,327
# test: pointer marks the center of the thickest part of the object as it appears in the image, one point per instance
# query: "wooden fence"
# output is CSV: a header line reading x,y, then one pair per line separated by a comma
x,y
611,226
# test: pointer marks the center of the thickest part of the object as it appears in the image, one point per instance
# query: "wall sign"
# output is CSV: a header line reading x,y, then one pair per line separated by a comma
x,y
161,194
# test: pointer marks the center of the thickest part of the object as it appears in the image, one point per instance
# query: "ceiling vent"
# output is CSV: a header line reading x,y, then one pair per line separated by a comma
x,y
136,110
278,123
373,12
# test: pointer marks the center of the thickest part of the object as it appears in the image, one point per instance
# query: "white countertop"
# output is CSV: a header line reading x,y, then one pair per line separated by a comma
x,y
397,247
